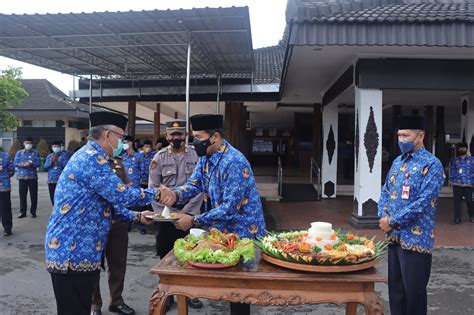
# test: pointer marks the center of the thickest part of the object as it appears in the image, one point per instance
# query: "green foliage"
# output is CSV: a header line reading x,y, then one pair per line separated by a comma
x,y
43,148
11,94
16,146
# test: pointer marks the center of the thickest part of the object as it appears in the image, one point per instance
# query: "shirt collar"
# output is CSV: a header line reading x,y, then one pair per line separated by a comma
x,y
97,147
214,159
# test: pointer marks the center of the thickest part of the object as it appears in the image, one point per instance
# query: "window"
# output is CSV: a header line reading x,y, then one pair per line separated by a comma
x,y
43,123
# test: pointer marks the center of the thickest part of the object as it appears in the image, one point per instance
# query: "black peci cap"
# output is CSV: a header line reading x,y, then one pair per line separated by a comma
x,y
413,122
108,118
206,122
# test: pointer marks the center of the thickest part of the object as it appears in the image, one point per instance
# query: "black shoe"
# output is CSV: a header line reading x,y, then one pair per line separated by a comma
x,y
33,215
194,303
456,221
23,215
143,232
96,312
7,233
122,309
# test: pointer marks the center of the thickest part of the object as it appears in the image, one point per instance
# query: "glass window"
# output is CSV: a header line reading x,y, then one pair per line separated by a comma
x,y
37,123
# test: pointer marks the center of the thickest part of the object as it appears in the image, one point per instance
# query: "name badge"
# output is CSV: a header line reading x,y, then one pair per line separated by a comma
x,y
460,171
406,192
1,167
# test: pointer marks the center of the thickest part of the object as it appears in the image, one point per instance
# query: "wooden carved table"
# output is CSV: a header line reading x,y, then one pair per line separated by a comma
x,y
264,284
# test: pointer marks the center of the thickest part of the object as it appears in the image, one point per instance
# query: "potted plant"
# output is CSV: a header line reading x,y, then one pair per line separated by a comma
x,y
16,146
43,150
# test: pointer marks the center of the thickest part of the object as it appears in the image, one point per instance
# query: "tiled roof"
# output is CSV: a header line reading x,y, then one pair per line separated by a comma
x,y
42,95
425,12
269,64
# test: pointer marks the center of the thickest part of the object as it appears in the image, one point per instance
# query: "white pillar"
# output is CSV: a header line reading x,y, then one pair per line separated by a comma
x,y
367,157
467,121
329,164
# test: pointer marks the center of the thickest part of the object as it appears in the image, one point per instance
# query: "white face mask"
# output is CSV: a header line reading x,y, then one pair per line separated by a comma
x,y
56,149
126,146
28,146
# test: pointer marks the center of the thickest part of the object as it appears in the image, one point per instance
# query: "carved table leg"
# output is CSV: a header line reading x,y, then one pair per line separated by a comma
x,y
182,305
372,304
351,308
158,302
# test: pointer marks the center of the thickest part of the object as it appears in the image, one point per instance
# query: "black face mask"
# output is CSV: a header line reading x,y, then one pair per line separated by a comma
x,y
176,143
201,146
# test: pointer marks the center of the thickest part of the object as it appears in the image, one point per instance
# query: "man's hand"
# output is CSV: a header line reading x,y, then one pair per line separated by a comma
x,y
184,223
167,197
143,218
384,226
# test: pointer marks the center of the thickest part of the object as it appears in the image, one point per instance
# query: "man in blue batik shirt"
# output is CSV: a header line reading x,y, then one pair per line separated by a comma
x,y
88,196
147,156
54,164
225,177
7,169
407,209
27,162
461,176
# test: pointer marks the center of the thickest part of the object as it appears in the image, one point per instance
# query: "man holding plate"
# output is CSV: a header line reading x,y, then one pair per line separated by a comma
x,y
225,177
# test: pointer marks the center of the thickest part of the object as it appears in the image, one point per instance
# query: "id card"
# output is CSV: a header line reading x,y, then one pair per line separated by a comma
x,y
460,171
1,167
406,192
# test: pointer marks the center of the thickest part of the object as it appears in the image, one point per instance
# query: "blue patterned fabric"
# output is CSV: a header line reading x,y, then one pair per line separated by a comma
x,y
27,172
461,172
7,169
134,166
79,224
227,179
54,164
146,160
413,218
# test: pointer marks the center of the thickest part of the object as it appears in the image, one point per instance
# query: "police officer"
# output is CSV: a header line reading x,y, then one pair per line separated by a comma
x,y
7,170
147,156
461,176
27,162
172,166
407,209
224,174
116,255
89,195
54,164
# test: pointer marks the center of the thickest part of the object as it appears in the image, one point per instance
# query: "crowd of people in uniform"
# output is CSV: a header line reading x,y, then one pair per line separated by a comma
x,y
108,183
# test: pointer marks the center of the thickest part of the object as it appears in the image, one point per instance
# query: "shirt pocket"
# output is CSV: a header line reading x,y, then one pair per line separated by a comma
x,y
189,169
169,174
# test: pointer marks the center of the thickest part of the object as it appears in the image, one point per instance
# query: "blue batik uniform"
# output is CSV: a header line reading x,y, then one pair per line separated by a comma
x,y
146,162
7,169
413,218
462,171
87,194
133,166
27,172
231,196
55,169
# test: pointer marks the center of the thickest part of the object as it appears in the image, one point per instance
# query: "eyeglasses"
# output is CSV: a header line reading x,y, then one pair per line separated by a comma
x,y
120,136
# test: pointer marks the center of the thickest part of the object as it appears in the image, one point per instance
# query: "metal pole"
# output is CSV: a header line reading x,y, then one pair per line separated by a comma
x,y
218,93
188,74
90,99
74,88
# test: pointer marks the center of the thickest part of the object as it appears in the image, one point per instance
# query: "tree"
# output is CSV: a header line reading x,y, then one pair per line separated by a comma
x,y
16,146
43,148
11,94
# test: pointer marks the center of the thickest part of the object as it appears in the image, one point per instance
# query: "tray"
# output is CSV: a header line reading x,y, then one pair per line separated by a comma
x,y
209,266
316,268
158,219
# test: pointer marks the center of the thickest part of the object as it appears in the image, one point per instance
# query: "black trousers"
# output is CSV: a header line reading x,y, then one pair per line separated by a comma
x,y
408,276
166,236
6,210
52,189
116,254
466,192
32,186
73,292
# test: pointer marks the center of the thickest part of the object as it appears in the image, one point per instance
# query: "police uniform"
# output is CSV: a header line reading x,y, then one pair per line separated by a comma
x,y
7,170
409,198
54,164
115,253
172,169
461,176
232,201
88,196
27,176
